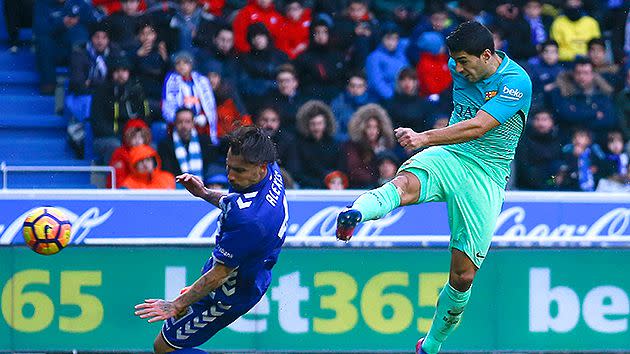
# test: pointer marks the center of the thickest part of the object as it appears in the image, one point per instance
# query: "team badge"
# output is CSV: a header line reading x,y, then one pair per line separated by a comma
x,y
490,94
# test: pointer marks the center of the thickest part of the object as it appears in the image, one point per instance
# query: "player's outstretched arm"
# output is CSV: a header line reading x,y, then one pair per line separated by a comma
x,y
195,186
160,310
467,130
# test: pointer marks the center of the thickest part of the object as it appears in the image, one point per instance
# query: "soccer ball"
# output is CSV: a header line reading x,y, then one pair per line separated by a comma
x,y
46,230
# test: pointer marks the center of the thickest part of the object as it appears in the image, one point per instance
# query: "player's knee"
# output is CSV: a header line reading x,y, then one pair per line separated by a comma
x,y
461,279
408,187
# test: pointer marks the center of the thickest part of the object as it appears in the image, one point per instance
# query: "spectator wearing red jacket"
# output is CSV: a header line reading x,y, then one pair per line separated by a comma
x,y
255,11
432,68
146,170
294,29
136,132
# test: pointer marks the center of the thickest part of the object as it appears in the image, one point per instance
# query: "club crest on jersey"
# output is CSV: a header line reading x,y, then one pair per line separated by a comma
x,y
490,94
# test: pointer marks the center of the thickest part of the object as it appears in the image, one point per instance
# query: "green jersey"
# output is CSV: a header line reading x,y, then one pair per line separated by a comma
x,y
506,95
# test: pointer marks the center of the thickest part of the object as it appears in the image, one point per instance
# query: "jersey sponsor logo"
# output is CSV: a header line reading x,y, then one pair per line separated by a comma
x,y
490,94
513,94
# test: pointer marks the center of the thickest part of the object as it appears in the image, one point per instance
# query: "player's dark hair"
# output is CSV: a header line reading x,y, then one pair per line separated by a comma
x,y
184,109
471,37
253,144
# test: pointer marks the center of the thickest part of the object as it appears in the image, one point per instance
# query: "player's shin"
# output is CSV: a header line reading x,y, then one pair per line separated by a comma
x,y
378,202
448,313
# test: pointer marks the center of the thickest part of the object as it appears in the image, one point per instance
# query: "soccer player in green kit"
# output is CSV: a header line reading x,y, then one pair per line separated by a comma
x,y
466,165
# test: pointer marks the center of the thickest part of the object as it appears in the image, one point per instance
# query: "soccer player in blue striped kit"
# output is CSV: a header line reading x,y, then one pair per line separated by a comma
x,y
251,233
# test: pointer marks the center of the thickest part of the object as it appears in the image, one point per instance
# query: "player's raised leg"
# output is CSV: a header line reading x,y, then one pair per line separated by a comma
x,y
451,303
404,189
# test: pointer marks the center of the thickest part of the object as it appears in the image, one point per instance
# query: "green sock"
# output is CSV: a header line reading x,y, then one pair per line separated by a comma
x,y
450,306
378,202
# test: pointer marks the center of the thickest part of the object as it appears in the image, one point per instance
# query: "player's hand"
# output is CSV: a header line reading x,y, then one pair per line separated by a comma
x,y
193,184
409,139
156,310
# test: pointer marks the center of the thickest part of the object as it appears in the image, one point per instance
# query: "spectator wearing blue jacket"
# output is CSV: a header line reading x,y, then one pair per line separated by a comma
x,y
583,98
58,25
383,64
543,70
346,103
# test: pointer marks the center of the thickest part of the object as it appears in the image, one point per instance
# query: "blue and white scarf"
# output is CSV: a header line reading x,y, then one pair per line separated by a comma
x,y
189,160
98,70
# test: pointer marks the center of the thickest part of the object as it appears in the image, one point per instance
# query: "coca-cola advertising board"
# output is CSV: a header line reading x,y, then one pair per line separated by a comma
x,y
176,218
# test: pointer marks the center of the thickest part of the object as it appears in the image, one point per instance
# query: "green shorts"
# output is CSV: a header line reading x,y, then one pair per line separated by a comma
x,y
473,199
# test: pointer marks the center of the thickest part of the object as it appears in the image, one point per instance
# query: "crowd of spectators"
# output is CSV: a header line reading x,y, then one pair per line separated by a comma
x,y
329,81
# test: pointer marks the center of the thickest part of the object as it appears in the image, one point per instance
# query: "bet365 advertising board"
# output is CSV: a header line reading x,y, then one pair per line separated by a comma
x,y
322,299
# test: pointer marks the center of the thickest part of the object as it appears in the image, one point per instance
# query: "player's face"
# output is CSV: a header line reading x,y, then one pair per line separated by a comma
x,y
242,174
473,68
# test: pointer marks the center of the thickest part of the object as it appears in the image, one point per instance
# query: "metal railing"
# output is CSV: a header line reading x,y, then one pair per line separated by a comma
x,y
5,169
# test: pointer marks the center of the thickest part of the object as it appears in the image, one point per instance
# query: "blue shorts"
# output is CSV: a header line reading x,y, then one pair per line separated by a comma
x,y
202,320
